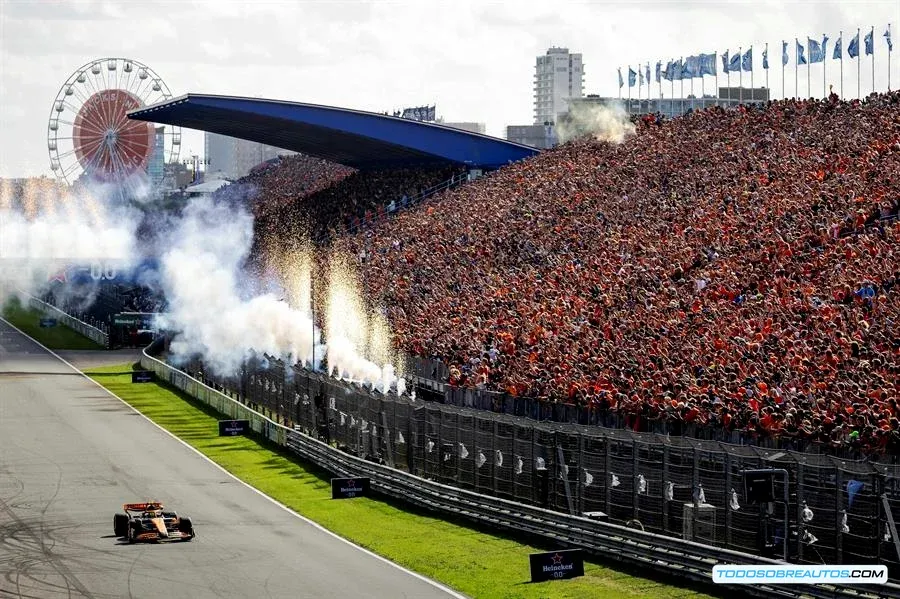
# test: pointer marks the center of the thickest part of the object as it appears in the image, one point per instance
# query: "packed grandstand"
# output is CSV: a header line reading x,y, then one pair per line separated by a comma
x,y
731,269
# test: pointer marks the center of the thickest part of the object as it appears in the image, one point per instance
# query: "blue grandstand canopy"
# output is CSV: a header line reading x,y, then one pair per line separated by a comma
x,y
363,140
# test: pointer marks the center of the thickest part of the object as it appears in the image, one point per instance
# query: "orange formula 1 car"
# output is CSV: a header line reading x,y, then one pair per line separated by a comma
x,y
151,522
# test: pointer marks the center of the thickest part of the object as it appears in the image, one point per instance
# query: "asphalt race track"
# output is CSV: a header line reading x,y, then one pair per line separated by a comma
x,y
71,455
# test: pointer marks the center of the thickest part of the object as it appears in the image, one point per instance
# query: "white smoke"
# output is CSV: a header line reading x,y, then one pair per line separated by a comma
x,y
609,123
216,313
45,230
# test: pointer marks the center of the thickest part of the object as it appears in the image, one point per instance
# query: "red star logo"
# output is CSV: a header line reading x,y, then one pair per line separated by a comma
x,y
557,559
59,276
351,483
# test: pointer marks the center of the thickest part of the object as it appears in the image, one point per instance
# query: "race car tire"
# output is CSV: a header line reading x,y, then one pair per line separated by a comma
x,y
132,532
185,526
120,525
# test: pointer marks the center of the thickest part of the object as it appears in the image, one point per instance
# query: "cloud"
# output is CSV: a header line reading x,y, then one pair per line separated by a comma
x,y
475,60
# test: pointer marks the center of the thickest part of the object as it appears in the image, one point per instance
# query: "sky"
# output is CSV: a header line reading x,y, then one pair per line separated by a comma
x,y
473,60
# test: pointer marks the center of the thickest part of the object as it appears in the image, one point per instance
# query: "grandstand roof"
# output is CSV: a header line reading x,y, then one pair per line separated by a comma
x,y
363,140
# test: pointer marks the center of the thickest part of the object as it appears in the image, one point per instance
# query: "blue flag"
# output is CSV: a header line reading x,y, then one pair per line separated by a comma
x,y
691,67
853,48
784,54
647,74
734,63
837,48
658,70
853,487
678,68
747,62
887,36
669,73
824,47
632,77
708,64
640,76
870,42
766,59
815,51
801,59
725,61
621,82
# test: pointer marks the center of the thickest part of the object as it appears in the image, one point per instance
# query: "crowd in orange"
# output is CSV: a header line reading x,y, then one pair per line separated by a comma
x,y
733,268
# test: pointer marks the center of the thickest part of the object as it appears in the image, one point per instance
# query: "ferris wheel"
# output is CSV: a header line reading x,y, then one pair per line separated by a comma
x,y
90,136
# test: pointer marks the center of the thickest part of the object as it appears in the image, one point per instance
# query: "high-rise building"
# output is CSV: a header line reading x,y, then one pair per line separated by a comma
x,y
233,157
558,76
156,166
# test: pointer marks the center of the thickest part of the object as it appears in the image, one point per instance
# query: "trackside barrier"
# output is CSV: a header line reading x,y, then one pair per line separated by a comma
x,y
669,555
92,333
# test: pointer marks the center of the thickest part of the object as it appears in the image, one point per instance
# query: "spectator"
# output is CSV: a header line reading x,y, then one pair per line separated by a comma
x,y
733,267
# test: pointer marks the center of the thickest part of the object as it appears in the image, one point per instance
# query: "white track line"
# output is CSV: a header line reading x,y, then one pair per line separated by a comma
x,y
450,592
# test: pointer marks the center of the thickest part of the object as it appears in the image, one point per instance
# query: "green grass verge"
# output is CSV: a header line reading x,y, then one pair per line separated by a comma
x,y
475,562
58,337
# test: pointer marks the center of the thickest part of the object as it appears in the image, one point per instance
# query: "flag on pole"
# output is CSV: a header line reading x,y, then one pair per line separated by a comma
x,y
658,71
621,82
747,61
708,64
632,77
853,47
725,62
801,59
647,74
640,77
734,63
824,47
784,54
870,43
887,36
678,68
816,52
837,49
691,67
766,59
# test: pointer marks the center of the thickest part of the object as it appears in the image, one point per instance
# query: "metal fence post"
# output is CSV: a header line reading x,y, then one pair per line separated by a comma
x,y
838,508
493,457
580,480
634,479
665,483
800,524
607,483
728,487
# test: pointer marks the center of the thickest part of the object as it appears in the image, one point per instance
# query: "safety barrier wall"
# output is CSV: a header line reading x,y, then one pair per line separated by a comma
x,y
93,333
446,459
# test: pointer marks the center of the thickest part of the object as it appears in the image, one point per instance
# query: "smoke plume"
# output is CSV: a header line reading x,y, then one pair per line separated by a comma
x,y
46,229
218,312
609,123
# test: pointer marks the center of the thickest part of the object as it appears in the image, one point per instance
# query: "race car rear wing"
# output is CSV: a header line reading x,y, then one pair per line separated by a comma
x,y
142,507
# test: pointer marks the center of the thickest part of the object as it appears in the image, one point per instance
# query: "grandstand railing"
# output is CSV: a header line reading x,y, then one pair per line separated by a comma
x,y
432,376
578,469
392,441
94,333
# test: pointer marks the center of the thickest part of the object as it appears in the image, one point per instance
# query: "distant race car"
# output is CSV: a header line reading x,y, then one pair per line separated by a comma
x,y
151,522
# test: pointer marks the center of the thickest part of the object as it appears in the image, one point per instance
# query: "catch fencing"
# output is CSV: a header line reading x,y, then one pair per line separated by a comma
x,y
433,376
673,486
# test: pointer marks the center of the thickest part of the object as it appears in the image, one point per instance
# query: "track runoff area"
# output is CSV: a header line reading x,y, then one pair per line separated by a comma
x,y
71,454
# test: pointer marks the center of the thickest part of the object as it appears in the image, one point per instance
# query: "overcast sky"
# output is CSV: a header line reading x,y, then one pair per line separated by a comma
x,y
474,60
